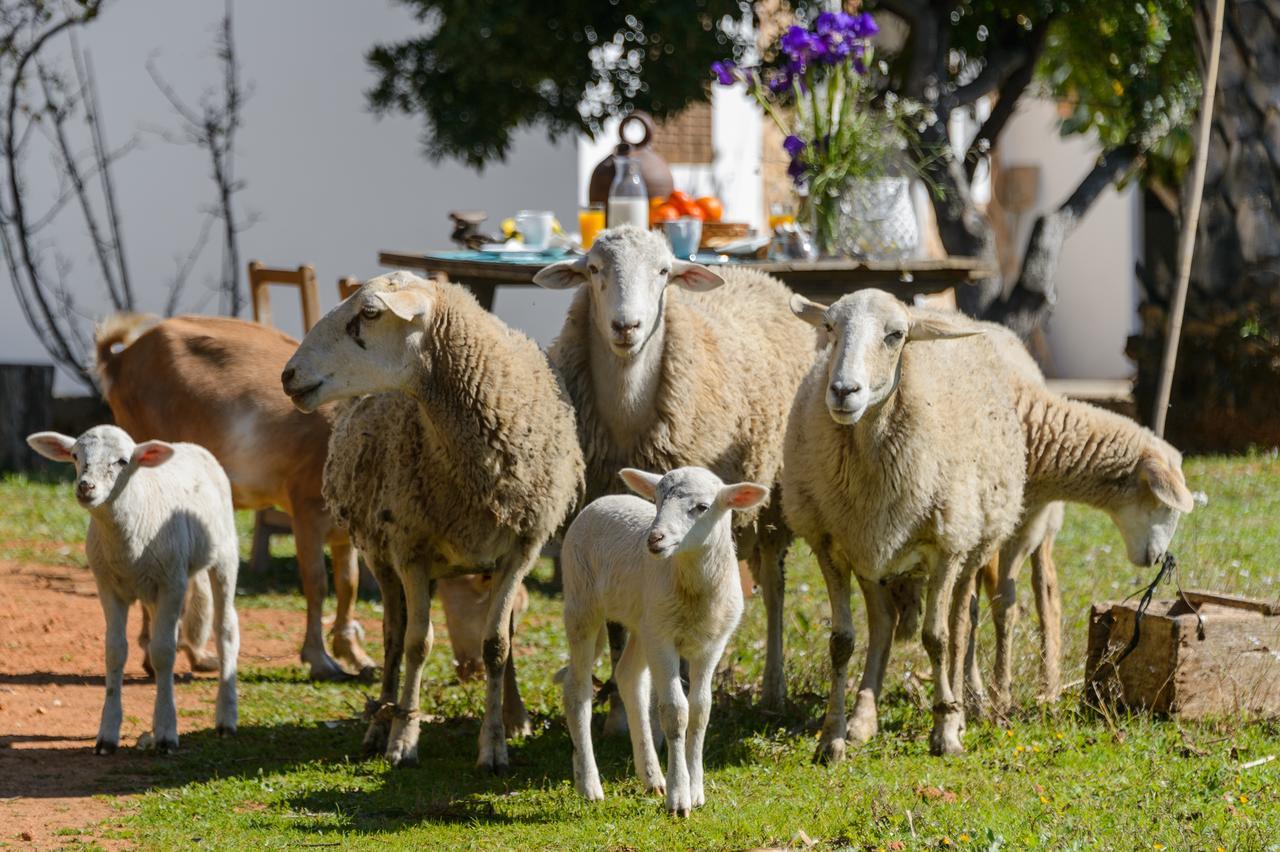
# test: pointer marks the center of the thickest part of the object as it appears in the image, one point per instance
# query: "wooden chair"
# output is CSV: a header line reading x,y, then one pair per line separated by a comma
x,y
348,285
269,522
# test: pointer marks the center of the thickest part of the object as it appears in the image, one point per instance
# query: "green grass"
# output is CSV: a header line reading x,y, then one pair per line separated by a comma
x,y
1051,778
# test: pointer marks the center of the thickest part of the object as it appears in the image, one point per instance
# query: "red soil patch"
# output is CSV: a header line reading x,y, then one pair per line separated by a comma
x,y
51,692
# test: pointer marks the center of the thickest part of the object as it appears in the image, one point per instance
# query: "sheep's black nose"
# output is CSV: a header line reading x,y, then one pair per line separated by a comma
x,y
840,390
623,327
287,376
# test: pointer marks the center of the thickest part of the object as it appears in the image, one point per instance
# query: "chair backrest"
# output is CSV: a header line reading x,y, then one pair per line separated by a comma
x,y
304,278
348,285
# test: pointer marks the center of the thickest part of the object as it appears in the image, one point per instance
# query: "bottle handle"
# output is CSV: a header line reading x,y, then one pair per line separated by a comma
x,y
646,121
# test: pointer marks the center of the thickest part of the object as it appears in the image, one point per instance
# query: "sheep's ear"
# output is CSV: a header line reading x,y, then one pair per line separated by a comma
x,y
743,496
52,445
1166,483
642,482
811,312
940,328
408,304
563,275
694,276
152,453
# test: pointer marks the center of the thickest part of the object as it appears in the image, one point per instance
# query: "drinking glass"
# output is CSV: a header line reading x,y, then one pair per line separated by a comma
x,y
684,236
535,227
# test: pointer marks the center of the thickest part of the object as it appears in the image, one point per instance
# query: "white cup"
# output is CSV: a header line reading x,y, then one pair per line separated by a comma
x,y
535,227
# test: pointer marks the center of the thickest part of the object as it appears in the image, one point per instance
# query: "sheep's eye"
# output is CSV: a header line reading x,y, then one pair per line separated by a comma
x,y
701,507
122,462
830,327
664,272
893,337
594,270
370,312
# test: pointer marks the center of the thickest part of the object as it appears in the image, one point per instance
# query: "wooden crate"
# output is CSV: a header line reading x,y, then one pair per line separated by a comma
x,y
1224,663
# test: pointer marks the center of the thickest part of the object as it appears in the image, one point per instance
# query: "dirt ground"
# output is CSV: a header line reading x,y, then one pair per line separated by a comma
x,y
51,692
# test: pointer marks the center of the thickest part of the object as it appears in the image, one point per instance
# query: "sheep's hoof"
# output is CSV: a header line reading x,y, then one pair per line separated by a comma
x,y
830,751
166,746
225,730
324,667
941,745
148,668
105,747
375,739
591,790
519,726
680,811
861,729
493,765
347,649
615,724
773,698
402,759
204,662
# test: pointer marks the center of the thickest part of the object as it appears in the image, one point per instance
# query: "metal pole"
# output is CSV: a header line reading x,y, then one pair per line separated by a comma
x,y
1187,239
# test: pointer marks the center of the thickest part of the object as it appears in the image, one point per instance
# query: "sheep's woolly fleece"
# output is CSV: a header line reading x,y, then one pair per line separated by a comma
x,y
484,455
732,360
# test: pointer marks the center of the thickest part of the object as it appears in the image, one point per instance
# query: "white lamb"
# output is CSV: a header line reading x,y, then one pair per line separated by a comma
x,y
669,573
159,514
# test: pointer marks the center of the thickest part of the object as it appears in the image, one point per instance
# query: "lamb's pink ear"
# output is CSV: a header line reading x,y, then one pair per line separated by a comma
x,y
743,496
940,328
1166,483
694,276
408,303
642,482
152,453
562,275
52,445
811,312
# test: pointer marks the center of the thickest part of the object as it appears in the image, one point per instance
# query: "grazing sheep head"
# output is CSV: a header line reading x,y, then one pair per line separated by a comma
x,y
627,272
691,503
1154,498
370,343
105,457
868,330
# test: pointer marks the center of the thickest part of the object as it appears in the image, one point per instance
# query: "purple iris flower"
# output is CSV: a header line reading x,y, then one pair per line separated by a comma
x,y
800,45
794,145
863,26
724,71
797,170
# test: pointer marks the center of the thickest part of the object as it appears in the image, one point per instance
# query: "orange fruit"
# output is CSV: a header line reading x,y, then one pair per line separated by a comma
x,y
712,207
664,212
677,197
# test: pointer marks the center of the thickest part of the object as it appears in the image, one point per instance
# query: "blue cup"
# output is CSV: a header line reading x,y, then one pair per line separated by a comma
x,y
684,236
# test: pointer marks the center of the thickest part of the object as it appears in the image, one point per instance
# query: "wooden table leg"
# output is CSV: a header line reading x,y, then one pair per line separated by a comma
x,y
482,290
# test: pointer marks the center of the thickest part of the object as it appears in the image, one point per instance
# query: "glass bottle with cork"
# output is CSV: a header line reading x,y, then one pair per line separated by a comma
x,y
628,195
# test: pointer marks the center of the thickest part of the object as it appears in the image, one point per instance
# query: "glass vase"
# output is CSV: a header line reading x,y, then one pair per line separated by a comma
x,y
866,219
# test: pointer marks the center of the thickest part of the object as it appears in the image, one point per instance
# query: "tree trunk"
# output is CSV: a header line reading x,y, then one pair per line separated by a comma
x,y
1226,391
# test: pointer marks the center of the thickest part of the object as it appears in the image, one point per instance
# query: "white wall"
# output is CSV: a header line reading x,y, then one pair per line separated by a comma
x,y
1097,287
331,183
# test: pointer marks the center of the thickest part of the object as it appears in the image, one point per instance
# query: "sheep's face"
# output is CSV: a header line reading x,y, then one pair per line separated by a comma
x,y
370,343
105,458
692,502
1154,499
627,272
868,330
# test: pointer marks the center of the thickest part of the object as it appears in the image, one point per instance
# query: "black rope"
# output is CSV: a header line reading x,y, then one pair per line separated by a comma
x,y
1167,566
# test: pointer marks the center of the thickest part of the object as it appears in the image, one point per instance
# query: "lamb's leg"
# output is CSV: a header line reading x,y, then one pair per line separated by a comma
x,y
515,718
948,715
577,704
347,633
511,572
770,571
1044,578
831,743
315,585
144,642
393,630
632,677
881,621
227,626
963,645
116,612
402,743
1004,615
701,671
164,650
615,724
197,621
673,710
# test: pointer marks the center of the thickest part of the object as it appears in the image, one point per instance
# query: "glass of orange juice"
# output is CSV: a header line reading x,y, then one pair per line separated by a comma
x,y
590,223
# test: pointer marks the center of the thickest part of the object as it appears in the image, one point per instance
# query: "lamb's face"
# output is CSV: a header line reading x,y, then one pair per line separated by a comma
x,y
1154,499
105,457
691,503
370,343
868,330
627,272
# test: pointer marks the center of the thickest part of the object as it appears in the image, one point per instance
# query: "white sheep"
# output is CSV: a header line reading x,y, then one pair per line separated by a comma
x,y
664,374
159,514
455,454
669,573
905,463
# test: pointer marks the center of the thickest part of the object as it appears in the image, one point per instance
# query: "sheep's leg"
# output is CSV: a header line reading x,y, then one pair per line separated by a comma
x,y
393,630
515,718
632,676
164,650
881,621
497,648
116,612
615,724
701,671
144,642
770,572
402,743
1044,578
577,703
948,715
1004,615
963,645
227,626
315,585
197,620
831,743
347,633
673,710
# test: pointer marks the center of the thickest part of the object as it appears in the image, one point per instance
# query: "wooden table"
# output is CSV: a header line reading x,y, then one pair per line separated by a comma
x,y
821,280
